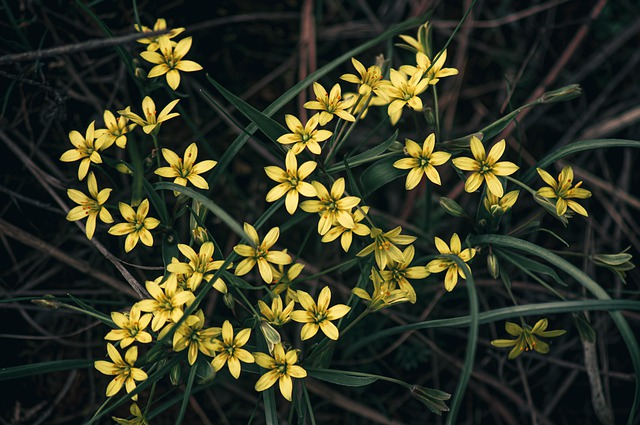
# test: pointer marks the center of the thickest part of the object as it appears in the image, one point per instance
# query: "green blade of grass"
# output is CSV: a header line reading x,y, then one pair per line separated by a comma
x,y
472,342
583,145
342,377
502,314
15,372
187,395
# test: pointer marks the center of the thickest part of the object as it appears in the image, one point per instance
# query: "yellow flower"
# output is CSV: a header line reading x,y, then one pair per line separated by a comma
x,y
282,367
166,305
403,91
260,253
485,167
434,72
526,338
304,136
116,130
199,265
137,226
150,121
291,181
124,370
345,233
398,272
170,62
153,42
370,79
419,45
330,104
318,316
441,264
90,207
563,191
138,417
332,207
191,335
384,293
132,327
86,150
384,248
276,315
422,161
231,351
186,170
498,206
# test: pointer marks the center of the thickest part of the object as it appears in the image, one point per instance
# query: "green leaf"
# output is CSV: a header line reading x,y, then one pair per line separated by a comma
x,y
342,377
187,395
380,173
570,149
264,122
366,156
23,371
529,264
207,203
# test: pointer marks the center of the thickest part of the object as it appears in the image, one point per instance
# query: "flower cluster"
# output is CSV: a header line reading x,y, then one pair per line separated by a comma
x,y
172,316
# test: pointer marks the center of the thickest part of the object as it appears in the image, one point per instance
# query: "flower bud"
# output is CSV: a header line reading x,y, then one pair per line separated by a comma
x,y
200,235
562,94
175,374
123,168
492,265
229,301
433,399
451,207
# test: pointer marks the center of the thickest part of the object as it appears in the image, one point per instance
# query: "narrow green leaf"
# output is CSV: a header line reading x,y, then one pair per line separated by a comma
x,y
570,149
266,124
187,395
502,314
158,203
369,155
15,372
380,173
342,377
207,203
529,264
472,341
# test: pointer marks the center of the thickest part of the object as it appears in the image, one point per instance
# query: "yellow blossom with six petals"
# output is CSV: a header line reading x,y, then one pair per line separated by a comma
x,y
291,181
318,316
330,104
170,60
562,191
186,169
485,167
230,350
124,370
137,226
422,161
90,207
86,150
441,264
151,120
281,368
260,253
306,136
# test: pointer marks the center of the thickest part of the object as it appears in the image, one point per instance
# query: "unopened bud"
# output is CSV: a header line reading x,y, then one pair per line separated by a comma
x,y
200,235
229,301
493,266
270,335
49,301
562,94
451,207
429,116
123,168
175,374
433,399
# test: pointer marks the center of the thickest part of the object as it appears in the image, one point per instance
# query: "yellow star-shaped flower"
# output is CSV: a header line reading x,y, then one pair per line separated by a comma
x,y
186,169
137,226
170,60
422,161
318,316
485,167
441,264
90,207
281,368
291,181
330,104
306,136
86,150
151,120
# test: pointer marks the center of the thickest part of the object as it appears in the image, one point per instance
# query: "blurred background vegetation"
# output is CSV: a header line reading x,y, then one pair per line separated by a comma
x,y
508,52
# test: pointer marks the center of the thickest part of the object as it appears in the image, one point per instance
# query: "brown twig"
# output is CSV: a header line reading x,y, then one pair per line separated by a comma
x,y
78,47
